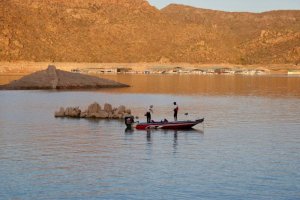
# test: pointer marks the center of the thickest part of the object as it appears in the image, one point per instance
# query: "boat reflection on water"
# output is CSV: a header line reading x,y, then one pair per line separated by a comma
x,y
158,133
149,132
129,131
149,136
165,131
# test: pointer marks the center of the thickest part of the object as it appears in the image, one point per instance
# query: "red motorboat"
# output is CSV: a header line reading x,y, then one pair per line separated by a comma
x,y
169,125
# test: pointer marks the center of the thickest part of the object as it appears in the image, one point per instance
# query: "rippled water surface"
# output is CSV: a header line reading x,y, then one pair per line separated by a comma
x,y
248,147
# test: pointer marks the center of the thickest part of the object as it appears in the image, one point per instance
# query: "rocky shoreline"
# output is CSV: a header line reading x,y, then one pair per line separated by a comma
x,y
94,111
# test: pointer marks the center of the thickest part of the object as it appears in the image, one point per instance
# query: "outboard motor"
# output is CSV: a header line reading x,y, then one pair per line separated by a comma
x,y
129,121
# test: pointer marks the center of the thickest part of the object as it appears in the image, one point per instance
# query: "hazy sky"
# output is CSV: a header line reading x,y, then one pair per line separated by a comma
x,y
234,5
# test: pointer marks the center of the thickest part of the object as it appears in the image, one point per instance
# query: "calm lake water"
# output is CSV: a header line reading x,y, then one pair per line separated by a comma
x,y
248,147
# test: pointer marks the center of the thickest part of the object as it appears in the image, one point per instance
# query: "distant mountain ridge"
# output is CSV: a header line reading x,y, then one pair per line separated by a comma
x,y
134,31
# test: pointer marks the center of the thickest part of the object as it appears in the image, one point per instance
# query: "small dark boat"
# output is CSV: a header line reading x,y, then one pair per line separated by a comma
x,y
169,125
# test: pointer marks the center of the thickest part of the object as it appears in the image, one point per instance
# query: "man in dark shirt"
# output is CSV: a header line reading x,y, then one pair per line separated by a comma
x,y
148,114
175,111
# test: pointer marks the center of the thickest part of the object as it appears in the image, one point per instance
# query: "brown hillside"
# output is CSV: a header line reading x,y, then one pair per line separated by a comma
x,y
134,31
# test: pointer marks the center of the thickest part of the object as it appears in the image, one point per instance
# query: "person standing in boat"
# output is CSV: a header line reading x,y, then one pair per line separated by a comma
x,y
148,114
175,109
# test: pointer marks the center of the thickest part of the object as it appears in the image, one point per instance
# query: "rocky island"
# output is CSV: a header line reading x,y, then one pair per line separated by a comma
x,y
53,78
94,111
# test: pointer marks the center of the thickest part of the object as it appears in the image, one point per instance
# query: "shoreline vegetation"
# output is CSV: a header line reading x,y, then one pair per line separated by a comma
x,y
24,68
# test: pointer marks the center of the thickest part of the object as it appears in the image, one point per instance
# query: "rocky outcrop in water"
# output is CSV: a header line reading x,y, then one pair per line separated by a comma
x,y
94,111
53,78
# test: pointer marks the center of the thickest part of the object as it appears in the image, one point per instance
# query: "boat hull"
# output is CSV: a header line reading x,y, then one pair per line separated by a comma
x,y
181,125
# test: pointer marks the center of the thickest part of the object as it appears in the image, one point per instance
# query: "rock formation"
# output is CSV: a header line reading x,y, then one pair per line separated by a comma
x,y
94,111
53,78
129,31
108,108
72,112
60,113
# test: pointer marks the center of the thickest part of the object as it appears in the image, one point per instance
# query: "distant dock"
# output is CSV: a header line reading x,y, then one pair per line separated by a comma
x,y
294,72
24,68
